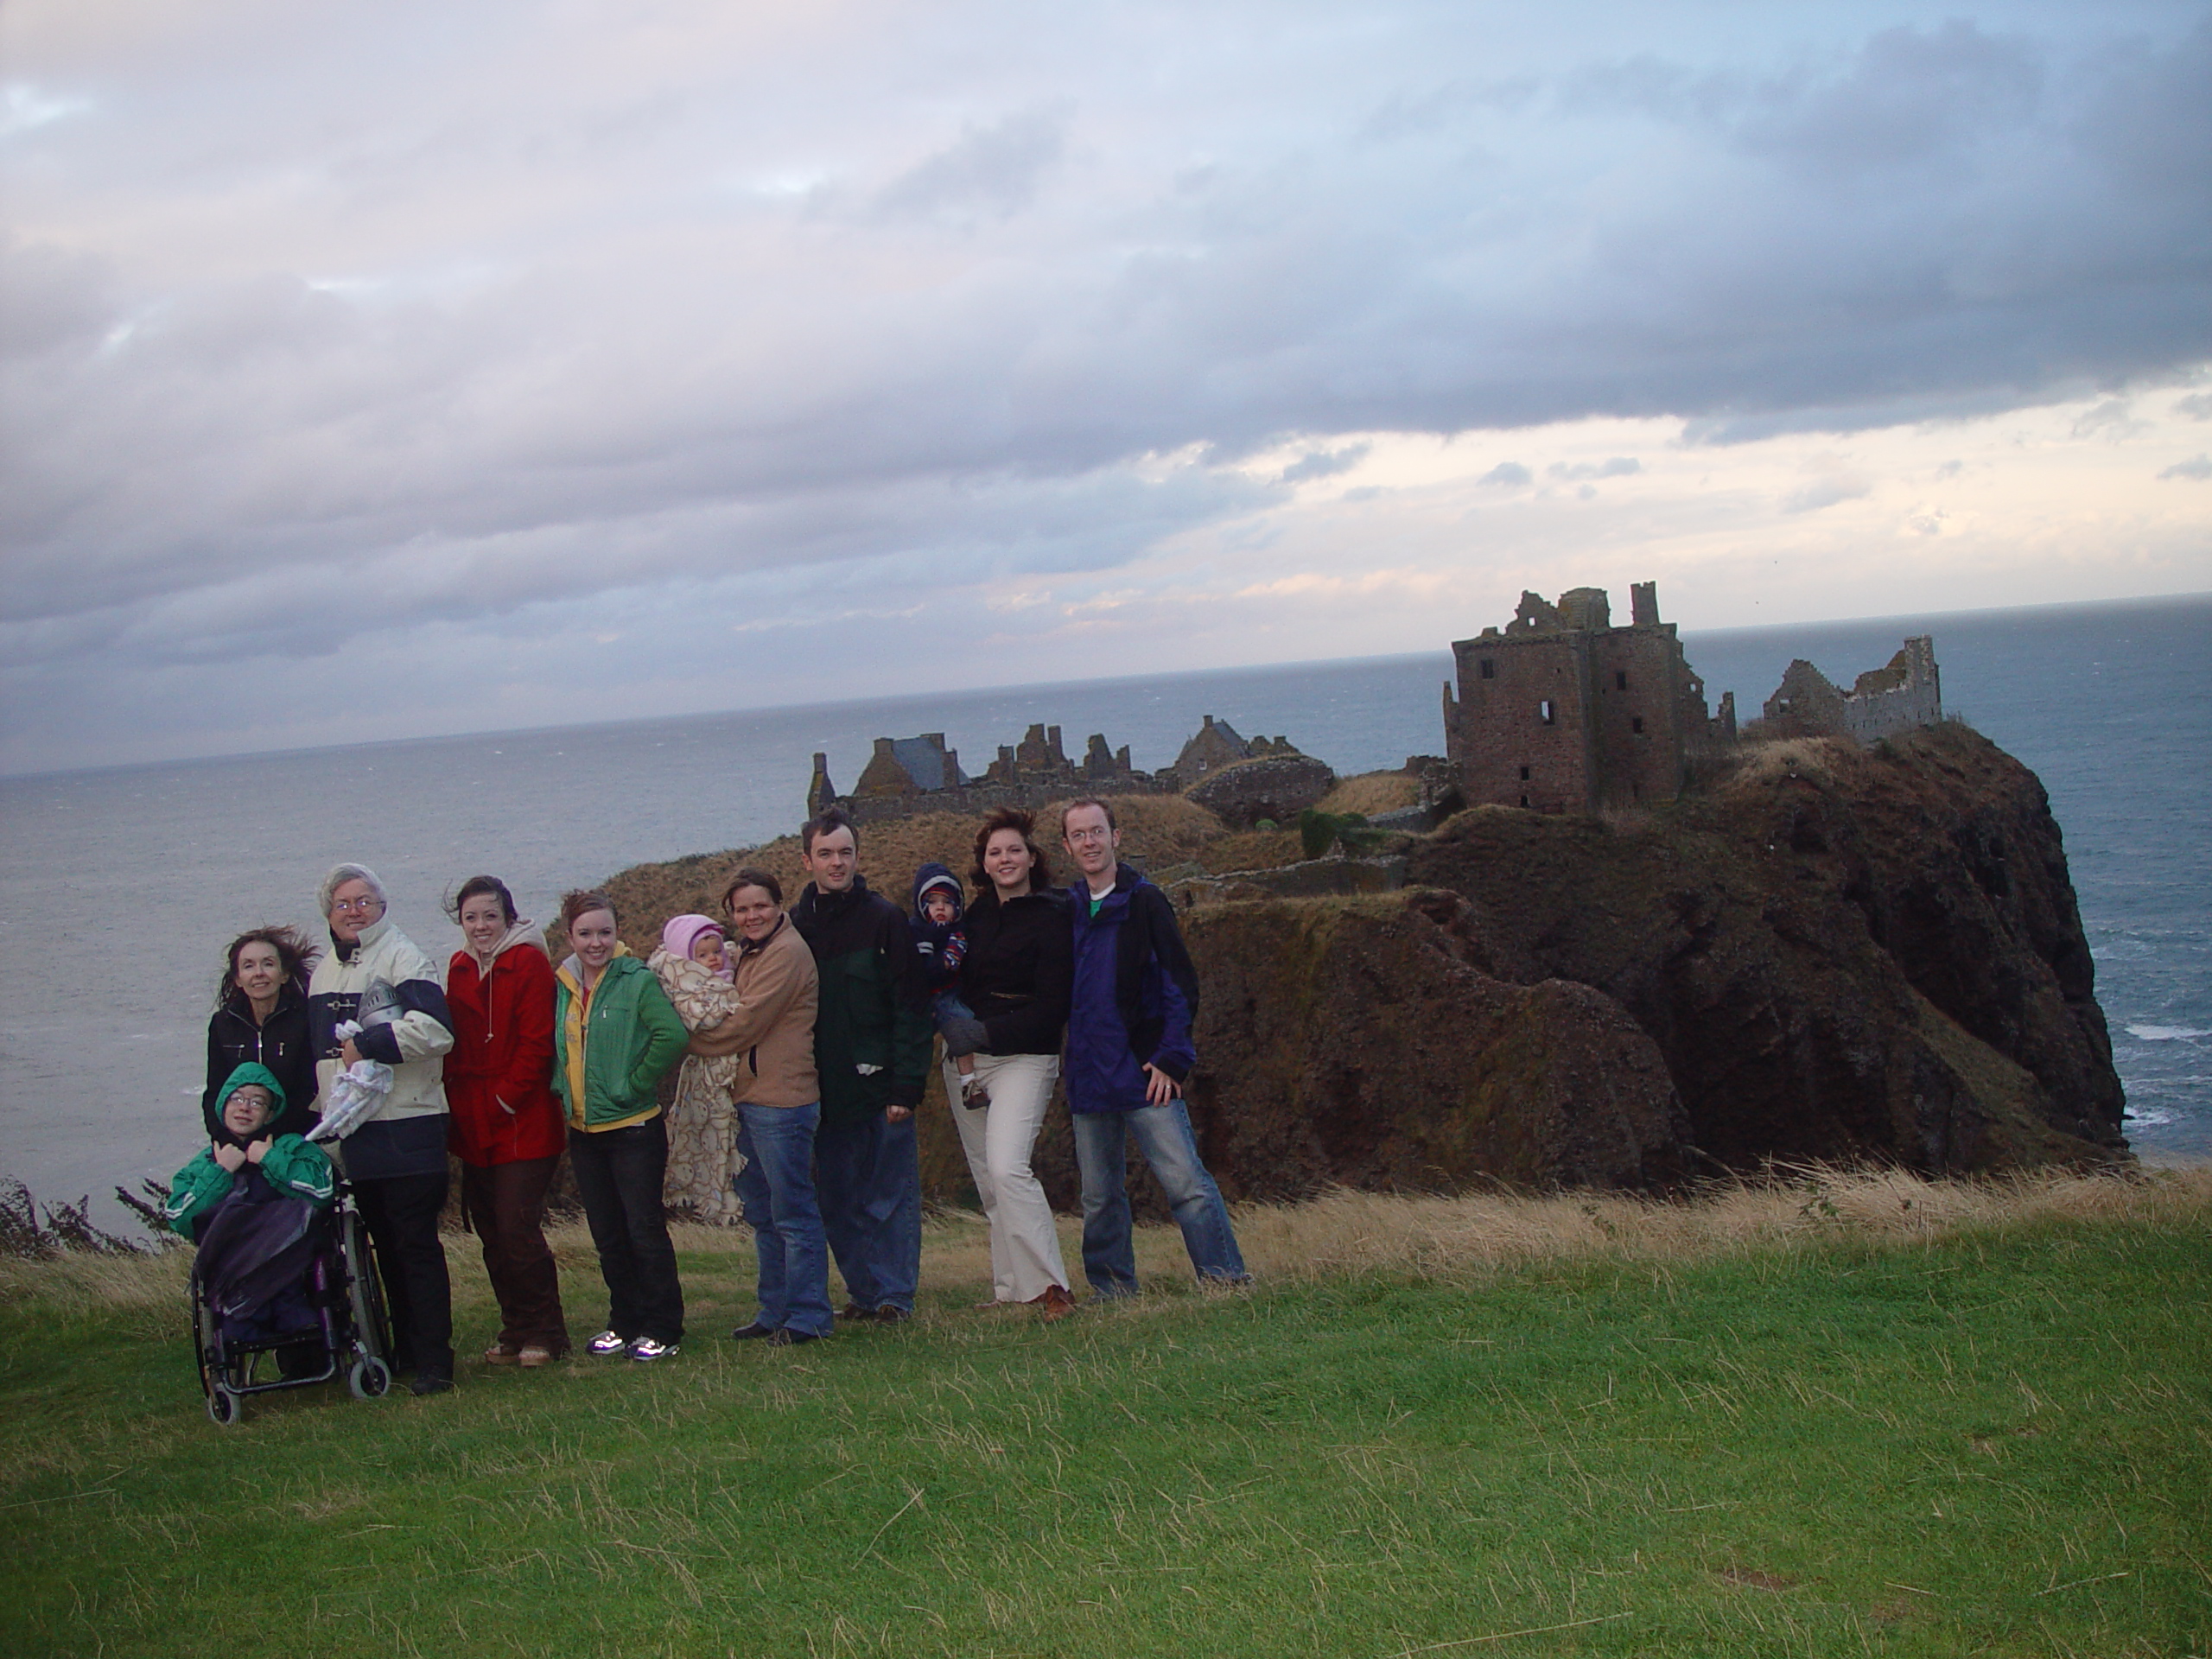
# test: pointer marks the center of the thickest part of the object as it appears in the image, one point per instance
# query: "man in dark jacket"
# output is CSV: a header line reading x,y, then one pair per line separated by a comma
x,y
1128,1055
871,1041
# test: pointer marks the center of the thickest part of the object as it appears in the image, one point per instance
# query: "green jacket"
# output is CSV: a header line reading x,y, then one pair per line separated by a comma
x,y
635,1036
294,1167
872,1026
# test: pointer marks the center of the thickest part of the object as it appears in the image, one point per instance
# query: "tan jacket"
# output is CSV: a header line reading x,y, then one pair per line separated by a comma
x,y
766,1020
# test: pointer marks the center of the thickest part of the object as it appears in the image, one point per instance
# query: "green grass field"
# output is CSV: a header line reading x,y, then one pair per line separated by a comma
x,y
1991,1439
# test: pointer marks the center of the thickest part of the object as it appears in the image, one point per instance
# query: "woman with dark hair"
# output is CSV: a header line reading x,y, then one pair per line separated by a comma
x,y
1017,976
261,1018
505,1124
760,1027
614,1033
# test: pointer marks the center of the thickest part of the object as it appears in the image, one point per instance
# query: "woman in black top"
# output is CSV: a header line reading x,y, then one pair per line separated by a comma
x,y
1016,976
261,1015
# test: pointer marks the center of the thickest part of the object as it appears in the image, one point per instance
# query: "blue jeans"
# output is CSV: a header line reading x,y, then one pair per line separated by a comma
x,y
1163,1135
776,1188
867,1173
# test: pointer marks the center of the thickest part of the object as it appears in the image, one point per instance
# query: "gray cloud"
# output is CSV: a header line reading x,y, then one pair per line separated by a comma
x,y
2196,467
1827,490
1618,467
1325,463
996,168
301,318
1507,474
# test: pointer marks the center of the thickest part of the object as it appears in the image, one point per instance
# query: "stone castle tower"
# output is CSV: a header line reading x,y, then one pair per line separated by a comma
x,y
1560,711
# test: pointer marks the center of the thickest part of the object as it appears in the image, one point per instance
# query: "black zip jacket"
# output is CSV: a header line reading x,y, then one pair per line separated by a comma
x,y
873,1008
1019,971
283,1046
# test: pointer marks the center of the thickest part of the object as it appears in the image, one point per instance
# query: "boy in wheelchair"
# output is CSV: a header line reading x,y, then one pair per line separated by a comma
x,y
251,1201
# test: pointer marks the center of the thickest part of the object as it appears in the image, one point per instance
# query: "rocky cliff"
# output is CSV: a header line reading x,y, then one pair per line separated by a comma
x,y
1823,953
1841,952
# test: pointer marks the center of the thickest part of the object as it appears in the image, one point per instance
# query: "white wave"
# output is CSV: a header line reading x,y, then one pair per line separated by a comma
x,y
2149,1120
2166,1033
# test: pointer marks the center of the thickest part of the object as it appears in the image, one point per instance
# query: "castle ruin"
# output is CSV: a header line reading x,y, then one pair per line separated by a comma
x,y
1560,711
1881,703
905,776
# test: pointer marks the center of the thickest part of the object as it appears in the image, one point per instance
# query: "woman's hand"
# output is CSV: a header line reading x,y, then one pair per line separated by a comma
x,y
231,1157
348,1055
1158,1087
713,1043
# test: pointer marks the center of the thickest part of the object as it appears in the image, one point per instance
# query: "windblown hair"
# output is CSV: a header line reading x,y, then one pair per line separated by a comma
x,y
481,884
339,876
295,957
1012,818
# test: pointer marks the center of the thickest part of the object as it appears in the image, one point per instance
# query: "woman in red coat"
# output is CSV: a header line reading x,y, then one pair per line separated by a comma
x,y
505,1124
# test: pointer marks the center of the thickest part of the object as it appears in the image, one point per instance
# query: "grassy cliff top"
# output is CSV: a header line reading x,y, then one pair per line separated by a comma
x,y
1824,1416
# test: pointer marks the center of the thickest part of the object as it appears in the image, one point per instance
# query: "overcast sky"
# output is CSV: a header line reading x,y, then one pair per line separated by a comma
x,y
374,370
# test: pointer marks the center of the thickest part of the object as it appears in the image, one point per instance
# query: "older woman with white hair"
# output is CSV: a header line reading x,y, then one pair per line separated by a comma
x,y
396,1159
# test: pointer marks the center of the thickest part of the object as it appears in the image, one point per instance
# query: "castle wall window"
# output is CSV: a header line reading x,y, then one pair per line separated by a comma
x,y
1620,679
1637,724
1489,669
1524,775
1546,712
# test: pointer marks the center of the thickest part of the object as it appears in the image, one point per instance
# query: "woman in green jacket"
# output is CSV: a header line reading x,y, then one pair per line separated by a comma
x,y
614,1033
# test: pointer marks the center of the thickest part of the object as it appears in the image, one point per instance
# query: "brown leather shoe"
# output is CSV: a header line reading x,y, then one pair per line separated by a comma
x,y
1054,1304
532,1356
500,1354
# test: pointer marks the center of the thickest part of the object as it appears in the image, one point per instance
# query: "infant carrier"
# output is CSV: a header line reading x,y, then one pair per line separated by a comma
x,y
285,1295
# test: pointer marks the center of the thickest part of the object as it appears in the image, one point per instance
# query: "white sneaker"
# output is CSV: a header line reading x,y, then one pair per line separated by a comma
x,y
605,1344
645,1348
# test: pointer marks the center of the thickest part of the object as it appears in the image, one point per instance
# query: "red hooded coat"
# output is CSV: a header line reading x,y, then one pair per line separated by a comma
x,y
499,1070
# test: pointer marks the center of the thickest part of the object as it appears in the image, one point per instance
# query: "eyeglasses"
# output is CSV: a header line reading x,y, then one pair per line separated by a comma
x,y
370,902
1101,834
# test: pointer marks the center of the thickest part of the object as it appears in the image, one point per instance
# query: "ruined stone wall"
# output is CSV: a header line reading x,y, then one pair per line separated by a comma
x,y
1904,696
1639,708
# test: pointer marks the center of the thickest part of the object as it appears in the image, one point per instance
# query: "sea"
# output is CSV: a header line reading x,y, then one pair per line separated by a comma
x,y
120,887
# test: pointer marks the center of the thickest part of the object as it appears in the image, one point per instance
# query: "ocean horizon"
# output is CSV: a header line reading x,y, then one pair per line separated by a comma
x,y
120,884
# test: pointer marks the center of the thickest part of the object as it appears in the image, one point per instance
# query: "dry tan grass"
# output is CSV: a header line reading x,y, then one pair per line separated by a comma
x,y
1371,792
1366,1232
1342,1234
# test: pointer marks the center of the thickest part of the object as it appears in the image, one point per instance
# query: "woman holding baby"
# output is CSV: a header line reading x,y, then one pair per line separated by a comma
x,y
753,1043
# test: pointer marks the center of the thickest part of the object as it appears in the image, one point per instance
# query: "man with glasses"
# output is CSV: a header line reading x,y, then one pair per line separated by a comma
x,y
395,1160
1128,1056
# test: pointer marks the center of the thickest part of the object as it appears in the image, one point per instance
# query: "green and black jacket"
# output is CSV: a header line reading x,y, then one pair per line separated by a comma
x,y
871,1028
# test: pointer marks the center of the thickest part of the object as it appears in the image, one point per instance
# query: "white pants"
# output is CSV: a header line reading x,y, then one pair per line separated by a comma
x,y
1025,1246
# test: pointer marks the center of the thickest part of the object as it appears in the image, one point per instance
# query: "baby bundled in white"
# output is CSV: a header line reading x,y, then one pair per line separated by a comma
x,y
693,964
356,1093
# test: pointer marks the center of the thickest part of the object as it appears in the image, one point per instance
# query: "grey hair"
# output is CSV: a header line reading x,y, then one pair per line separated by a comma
x,y
339,876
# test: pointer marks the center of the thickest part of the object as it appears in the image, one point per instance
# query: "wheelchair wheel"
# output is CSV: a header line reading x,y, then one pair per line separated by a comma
x,y
207,1349
223,1406
369,1378
365,1292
